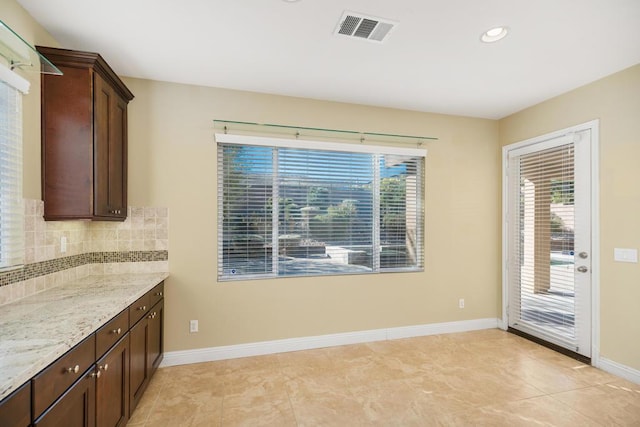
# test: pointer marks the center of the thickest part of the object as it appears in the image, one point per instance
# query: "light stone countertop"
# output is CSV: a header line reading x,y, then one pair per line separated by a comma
x,y
37,330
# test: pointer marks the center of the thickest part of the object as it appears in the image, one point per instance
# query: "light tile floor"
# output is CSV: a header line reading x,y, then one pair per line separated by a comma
x,y
482,378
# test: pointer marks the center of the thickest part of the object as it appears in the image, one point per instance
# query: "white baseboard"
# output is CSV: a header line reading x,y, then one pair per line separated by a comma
x,y
174,358
618,369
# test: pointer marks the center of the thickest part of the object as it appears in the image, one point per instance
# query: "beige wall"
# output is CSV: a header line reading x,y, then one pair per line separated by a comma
x,y
172,163
615,100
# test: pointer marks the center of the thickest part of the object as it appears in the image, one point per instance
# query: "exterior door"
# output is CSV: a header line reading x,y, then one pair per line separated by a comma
x,y
548,239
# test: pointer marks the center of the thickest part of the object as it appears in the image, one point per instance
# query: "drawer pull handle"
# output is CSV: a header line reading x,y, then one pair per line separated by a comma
x,y
143,308
96,374
104,368
74,369
117,331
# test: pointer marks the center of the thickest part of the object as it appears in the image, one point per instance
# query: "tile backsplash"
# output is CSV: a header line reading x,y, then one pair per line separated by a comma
x,y
138,244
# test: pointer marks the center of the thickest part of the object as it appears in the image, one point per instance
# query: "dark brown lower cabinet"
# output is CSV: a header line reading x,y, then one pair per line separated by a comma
x,y
112,387
108,391
75,408
147,348
139,341
156,343
15,410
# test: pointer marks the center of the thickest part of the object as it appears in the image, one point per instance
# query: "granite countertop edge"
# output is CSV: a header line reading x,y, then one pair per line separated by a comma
x,y
37,330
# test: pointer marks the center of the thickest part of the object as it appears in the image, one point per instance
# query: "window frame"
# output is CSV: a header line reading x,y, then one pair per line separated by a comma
x,y
312,145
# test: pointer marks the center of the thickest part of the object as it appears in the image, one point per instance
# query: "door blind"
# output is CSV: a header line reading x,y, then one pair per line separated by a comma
x,y
541,256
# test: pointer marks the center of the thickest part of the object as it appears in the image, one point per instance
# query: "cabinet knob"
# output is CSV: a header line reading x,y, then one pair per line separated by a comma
x,y
74,369
96,374
143,308
104,367
152,315
158,294
117,331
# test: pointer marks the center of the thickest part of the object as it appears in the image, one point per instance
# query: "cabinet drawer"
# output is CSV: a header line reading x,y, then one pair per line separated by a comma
x,y
15,410
156,294
139,309
49,384
110,333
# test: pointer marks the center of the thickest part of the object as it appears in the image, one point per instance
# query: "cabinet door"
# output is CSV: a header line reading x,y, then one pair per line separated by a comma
x,y
110,146
138,371
112,387
67,150
102,100
76,407
117,194
156,342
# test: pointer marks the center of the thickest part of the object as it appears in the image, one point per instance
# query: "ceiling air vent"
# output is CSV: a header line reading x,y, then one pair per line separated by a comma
x,y
364,27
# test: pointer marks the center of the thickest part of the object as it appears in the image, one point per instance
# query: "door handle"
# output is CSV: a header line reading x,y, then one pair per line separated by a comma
x,y
582,269
583,255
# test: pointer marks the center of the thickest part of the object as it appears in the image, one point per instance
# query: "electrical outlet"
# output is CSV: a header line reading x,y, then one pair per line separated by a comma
x,y
193,326
63,244
461,303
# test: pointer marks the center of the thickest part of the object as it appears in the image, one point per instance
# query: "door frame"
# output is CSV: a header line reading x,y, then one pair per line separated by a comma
x,y
594,127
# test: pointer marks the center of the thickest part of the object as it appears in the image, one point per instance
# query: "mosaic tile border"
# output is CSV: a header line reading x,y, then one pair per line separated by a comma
x,y
42,268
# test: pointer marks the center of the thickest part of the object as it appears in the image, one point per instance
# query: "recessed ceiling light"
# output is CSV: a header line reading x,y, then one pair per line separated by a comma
x,y
494,34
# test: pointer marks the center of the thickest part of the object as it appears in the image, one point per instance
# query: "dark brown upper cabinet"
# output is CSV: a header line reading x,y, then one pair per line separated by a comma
x,y
84,138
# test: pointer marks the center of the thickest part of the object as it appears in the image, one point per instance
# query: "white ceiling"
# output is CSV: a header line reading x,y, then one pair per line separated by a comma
x,y
432,61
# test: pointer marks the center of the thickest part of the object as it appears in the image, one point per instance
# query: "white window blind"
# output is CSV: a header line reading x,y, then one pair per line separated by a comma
x,y
331,209
11,204
542,238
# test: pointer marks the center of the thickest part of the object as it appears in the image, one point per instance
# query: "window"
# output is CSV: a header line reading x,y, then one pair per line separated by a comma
x,y
11,206
288,210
